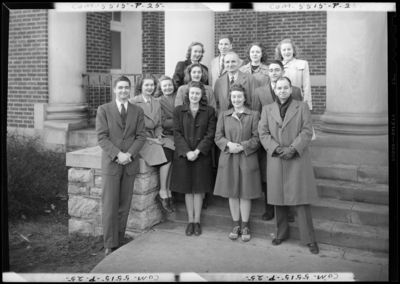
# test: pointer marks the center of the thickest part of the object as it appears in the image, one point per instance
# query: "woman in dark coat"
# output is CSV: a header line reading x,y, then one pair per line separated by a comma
x,y
238,176
194,54
194,131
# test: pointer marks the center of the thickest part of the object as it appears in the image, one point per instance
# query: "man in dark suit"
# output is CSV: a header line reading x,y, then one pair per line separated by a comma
x,y
120,134
265,95
232,76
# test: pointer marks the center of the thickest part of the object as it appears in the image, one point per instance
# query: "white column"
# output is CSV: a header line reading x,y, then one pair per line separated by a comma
x,y
67,108
184,27
357,75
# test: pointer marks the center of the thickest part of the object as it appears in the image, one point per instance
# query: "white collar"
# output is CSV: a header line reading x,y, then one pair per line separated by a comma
x,y
119,104
234,76
146,100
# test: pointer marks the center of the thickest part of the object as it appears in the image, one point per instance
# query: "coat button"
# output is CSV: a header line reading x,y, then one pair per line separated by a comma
x,y
198,138
197,125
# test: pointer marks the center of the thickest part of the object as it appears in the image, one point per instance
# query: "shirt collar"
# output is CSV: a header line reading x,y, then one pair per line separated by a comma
x,y
119,105
146,100
234,76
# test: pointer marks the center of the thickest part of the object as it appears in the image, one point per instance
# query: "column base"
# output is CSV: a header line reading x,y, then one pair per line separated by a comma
x,y
66,117
354,124
65,125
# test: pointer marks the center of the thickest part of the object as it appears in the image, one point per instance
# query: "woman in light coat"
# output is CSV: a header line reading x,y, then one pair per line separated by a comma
x,y
256,54
285,131
238,176
157,151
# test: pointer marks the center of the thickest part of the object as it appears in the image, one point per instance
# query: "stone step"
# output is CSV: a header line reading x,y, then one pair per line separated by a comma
x,y
331,210
327,232
348,172
354,191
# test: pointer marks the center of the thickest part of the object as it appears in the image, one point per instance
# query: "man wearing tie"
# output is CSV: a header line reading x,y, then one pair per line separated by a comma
x,y
121,135
217,65
232,76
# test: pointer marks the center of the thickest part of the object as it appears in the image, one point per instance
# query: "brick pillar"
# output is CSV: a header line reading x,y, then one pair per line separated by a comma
x,y
153,42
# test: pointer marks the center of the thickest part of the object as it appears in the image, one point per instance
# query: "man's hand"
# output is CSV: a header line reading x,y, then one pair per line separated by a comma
x,y
287,153
124,158
191,156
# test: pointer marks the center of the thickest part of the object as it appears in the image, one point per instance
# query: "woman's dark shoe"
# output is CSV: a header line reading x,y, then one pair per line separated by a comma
x,y
268,216
189,229
197,229
165,206
290,217
277,242
172,203
314,248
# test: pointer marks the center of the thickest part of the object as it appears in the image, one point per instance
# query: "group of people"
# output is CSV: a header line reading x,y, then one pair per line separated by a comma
x,y
250,124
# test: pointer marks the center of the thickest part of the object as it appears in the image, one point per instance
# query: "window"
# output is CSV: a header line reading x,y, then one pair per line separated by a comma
x,y
115,50
116,16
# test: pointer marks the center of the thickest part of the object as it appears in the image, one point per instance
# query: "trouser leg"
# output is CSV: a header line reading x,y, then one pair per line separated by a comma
x,y
281,221
269,209
306,227
125,200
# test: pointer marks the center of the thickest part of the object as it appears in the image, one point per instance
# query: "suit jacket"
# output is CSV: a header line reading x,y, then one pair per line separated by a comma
x,y
221,89
179,74
113,138
215,70
152,152
263,96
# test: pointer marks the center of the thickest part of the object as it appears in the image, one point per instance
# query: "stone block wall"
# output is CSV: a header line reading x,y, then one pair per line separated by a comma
x,y
84,190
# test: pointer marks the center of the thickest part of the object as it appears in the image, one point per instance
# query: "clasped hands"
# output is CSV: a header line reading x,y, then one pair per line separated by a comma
x,y
124,158
192,155
234,148
285,153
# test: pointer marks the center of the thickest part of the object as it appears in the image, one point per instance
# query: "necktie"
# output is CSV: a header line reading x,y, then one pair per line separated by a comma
x,y
222,65
123,114
232,80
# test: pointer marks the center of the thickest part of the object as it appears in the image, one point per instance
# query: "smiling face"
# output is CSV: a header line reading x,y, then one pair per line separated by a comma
x,y
122,91
275,71
231,62
287,51
283,90
148,87
237,99
197,52
194,95
224,46
167,88
255,54
196,73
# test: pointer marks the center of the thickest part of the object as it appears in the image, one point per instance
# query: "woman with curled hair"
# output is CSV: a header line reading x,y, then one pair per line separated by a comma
x,y
196,73
238,176
256,54
194,131
194,55
158,150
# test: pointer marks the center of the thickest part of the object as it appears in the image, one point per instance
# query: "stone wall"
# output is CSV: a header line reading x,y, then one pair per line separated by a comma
x,y
84,190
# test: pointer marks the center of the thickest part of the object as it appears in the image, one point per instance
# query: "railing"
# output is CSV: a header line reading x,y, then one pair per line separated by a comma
x,y
98,88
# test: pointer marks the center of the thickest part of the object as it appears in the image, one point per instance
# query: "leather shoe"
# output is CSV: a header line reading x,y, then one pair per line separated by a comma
x,y
268,216
109,251
277,242
290,217
172,203
189,229
314,248
165,206
197,229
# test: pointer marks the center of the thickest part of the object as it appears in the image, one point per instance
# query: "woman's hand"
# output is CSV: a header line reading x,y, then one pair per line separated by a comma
x,y
160,139
233,147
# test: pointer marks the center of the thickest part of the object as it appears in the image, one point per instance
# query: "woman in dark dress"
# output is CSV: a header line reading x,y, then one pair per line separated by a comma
x,y
194,131
194,55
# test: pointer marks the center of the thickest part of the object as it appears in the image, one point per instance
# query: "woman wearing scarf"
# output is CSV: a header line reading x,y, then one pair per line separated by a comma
x,y
285,131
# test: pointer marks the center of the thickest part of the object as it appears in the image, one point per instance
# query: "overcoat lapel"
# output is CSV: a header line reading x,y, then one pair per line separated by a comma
x,y
242,78
293,108
115,113
139,101
274,111
165,104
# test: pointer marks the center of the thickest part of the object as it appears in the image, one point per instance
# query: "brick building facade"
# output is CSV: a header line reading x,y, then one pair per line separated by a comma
x,y
28,66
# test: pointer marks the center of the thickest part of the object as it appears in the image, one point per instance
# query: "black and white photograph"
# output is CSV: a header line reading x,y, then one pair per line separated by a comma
x,y
180,142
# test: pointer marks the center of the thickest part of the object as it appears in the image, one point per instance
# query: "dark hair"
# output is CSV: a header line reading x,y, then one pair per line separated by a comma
x,y
276,62
226,36
187,77
139,85
264,55
240,88
189,52
284,78
278,54
159,92
121,79
194,84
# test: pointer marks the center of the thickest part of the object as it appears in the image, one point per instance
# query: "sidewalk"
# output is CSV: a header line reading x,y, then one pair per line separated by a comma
x,y
166,248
